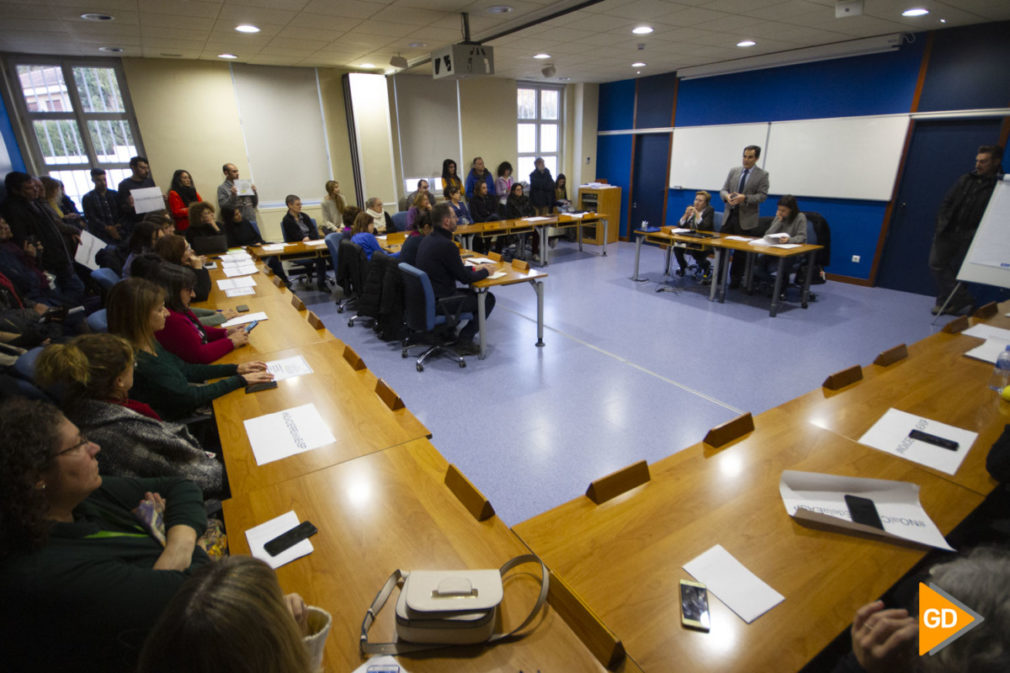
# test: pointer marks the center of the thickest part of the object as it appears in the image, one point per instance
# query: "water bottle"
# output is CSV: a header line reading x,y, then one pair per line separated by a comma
x,y
1000,378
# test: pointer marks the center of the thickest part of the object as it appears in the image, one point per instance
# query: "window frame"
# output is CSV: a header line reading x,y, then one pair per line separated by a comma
x,y
537,121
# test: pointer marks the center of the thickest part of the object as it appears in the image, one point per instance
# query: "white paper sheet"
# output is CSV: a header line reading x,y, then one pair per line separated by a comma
x,y
498,274
983,331
745,239
288,368
812,496
257,536
244,188
317,243
273,247
243,319
679,230
86,251
988,351
236,257
742,591
147,199
239,270
240,291
286,433
233,283
890,434
479,260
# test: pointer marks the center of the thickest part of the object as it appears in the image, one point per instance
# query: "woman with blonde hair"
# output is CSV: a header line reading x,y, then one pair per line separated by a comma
x,y
229,618
94,373
136,310
333,207
422,203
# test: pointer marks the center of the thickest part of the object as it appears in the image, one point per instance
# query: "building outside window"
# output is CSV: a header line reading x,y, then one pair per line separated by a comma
x,y
539,128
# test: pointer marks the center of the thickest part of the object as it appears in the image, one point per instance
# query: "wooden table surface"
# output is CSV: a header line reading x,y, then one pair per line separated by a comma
x,y
299,249
390,510
624,557
345,398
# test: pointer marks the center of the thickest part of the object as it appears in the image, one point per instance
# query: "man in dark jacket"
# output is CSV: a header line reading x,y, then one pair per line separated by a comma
x,y
956,222
439,257
541,188
101,210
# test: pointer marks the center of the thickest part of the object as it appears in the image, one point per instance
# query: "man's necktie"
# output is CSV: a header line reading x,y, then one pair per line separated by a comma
x,y
743,180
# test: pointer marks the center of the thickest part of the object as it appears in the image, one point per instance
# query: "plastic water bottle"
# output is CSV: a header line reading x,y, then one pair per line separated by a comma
x,y
1000,378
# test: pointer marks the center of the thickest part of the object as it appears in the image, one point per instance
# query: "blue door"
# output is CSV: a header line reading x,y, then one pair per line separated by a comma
x,y
649,187
940,152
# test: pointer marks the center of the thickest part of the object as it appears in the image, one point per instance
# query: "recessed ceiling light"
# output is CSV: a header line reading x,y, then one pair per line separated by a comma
x,y
499,9
228,56
96,16
638,64
541,57
564,79
417,45
367,65
943,20
111,50
247,28
915,11
746,43
642,30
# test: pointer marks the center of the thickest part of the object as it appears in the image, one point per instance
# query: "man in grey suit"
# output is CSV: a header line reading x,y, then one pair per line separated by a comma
x,y
745,188
228,197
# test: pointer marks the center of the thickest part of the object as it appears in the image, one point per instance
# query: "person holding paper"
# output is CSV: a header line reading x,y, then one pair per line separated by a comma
x,y
20,264
228,194
87,562
140,179
699,216
136,312
744,191
956,222
180,197
101,209
789,226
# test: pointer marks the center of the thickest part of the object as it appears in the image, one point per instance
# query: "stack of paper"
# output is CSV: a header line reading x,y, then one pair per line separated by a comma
x,y
996,341
273,247
233,283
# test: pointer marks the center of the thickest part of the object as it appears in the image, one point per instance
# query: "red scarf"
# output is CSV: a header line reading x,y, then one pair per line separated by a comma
x,y
140,407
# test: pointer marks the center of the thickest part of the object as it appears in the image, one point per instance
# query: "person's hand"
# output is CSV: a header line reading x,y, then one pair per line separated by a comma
x,y
113,231
257,377
254,189
40,308
306,239
234,190
248,367
180,540
229,313
156,500
129,199
238,338
296,606
883,640
689,212
490,268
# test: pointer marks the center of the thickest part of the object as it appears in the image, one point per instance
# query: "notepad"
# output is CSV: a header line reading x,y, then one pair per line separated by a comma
x,y
240,291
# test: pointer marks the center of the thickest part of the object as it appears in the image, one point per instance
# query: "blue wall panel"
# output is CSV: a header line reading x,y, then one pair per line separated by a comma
x,y
864,85
968,69
613,162
7,131
655,101
617,105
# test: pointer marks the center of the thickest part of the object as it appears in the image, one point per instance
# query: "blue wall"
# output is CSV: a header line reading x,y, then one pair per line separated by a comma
x,y
655,101
617,105
613,162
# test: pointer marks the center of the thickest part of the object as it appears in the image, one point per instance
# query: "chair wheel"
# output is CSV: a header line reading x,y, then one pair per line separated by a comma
x,y
403,354
350,323
340,309
462,363
420,367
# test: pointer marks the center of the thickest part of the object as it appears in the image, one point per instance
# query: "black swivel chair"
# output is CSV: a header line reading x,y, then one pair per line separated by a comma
x,y
351,263
429,321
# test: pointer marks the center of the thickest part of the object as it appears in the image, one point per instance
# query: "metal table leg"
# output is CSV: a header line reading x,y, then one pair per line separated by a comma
x,y
606,234
482,323
778,287
545,250
579,229
716,274
809,278
638,253
538,287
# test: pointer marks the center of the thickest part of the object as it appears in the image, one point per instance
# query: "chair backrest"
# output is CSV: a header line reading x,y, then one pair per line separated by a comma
x,y
98,321
24,366
419,298
105,278
352,262
717,219
333,245
399,220
257,228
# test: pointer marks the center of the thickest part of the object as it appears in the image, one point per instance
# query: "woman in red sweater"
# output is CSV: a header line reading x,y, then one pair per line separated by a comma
x,y
184,334
180,197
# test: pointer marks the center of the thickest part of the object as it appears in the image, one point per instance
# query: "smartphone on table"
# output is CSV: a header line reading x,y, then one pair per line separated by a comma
x,y
694,605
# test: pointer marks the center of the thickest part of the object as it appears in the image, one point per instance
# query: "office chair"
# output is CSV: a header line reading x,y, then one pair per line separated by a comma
x,y
351,272
302,269
105,278
333,247
429,322
370,298
98,321
399,220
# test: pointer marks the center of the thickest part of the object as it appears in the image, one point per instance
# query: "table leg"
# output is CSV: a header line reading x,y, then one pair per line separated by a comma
x,y
545,250
482,323
579,229
749,273
638,252
716,274
808,278
538,287
669,251
778,287
606,233
724,278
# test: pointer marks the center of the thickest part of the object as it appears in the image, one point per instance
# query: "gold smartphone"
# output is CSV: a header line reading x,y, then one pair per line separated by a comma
x,y
694,605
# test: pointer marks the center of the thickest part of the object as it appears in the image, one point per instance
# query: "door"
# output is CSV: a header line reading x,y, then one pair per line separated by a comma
x,y
648,187
940,152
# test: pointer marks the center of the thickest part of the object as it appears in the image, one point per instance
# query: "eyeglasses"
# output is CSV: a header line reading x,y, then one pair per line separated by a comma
x,y
84,442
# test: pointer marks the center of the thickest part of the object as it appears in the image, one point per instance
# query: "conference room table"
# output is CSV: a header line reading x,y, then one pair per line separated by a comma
x,y
298,250
722,245
624,557
389,510
512,274
539,225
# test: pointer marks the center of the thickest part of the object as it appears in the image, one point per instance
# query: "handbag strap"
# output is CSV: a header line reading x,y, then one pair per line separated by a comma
x,y
397,578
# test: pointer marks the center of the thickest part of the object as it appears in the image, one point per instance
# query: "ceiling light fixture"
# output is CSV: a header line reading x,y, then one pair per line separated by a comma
x,y
228,56
367,65
638,64
417,45
915,11
111,50
549,70
247,28
96,16
398,62
746,43
499,9
642,30
541,57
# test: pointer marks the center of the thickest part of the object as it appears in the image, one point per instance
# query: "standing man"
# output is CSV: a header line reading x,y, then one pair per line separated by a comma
x,y
101,209
745,188
228,197
956,222
439,257
140,179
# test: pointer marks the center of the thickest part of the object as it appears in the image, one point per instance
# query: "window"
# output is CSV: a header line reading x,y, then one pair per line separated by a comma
x,y
539,132
77,116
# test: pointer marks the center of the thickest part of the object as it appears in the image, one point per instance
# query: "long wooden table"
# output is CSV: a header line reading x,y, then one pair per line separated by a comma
x,y
390,510
624,557
517,272
538,226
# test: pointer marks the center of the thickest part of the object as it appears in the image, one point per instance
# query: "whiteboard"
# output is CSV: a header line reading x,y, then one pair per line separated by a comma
x,y
847,158
988,258
703,155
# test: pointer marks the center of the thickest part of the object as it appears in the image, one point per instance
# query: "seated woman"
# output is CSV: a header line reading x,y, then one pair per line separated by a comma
x,y
60,203
483,206
20,265
83,577
503,185
350,214
361,234
201,221
184,334
449,177
518,204
176,250
789,226
95,374
408,251
456,203
299,228
561,199
136,312
147,267
145,235
181,196
231,616
699,216
422,187
422,204
242,233
332,205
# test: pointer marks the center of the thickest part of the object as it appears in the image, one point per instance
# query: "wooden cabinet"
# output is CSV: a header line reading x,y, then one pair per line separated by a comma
x,y
607,202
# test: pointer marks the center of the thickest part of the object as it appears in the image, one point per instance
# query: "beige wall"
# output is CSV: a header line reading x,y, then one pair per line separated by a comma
x,y
581,121
488,124
334,112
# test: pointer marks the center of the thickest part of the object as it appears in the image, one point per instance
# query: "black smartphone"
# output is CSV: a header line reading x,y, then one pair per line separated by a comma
x,y
288,539
942,442
694,605
241,308
251,326
257,387
862,510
